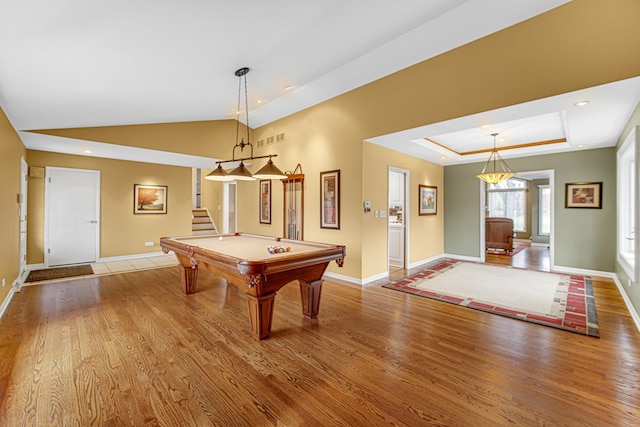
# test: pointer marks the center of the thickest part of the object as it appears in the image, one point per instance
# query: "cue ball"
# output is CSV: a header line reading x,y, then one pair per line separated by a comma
x,y
220,238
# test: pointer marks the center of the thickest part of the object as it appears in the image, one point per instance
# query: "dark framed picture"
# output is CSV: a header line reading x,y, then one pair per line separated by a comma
x,y
583,195
427,200
265,201
149,199
330,199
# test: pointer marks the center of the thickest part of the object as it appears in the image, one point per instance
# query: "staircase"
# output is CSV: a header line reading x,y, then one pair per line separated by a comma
x,y
201,222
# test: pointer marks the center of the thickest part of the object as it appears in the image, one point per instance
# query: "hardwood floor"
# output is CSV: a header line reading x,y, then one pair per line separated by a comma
x,y
131,349
532,258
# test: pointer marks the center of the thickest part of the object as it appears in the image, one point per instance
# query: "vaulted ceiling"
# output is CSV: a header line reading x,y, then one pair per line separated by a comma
x,y
81,64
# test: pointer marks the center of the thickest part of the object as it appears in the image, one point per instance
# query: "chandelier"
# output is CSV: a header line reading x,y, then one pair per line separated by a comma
x,y
496,175
268,171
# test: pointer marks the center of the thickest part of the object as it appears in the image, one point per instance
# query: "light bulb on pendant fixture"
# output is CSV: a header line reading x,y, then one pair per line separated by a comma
x,y
495,160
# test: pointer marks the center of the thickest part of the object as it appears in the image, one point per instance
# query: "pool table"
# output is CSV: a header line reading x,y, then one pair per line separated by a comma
x,y
245,261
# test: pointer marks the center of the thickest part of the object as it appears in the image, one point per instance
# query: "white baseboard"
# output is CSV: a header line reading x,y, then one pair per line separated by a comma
x,y
15,287
582,271
353,280
463,257
426,261
630,308
31,267
542,245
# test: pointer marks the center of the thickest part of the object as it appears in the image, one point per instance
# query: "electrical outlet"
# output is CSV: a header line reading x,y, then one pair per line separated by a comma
x,y
148,243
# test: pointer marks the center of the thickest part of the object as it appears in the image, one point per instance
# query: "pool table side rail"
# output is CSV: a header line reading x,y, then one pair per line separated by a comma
x,y
264,266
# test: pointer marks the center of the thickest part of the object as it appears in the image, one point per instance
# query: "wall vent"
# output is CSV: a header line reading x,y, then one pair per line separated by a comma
x,y
269,140
280,137
260,143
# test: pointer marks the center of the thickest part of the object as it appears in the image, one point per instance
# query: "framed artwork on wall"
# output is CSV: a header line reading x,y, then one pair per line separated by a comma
x,y
427,200
583,195
149,199
265,201
330,199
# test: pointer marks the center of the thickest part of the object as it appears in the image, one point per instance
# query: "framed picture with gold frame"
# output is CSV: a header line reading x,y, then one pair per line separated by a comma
x,y
427,200
149,199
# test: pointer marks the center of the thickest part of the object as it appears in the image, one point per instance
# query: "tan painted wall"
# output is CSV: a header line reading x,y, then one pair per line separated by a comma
x,y
578,45
121,232
11,151
426,238
209,138
211,198
322,138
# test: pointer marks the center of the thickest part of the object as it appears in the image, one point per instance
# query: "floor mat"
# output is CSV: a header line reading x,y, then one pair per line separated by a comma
x,y
59,273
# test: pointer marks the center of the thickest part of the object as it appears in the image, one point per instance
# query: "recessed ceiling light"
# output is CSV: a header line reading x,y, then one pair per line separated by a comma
x,y
581,145
87,151
501,140
581,103
287,87
442,157
486,126
259,101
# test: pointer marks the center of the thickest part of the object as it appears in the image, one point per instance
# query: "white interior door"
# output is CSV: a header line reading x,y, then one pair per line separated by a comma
x,y
24,176
72,206
397,218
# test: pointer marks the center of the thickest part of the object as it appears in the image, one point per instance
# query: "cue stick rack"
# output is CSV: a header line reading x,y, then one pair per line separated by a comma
x,y
293,204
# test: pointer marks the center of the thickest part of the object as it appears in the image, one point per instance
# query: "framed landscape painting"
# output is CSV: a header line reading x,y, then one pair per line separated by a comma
x,y
427,200
149,199
583,195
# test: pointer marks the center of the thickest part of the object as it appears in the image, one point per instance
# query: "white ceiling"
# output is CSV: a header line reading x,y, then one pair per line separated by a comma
x,y
595,125
75,63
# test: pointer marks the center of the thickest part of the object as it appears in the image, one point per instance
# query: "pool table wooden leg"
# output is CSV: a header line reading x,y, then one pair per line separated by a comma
x,y
310,297
260,314
188,276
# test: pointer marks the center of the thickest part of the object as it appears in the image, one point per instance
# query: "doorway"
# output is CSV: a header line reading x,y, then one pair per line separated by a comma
x,y
397,223
229,207
72,211
537,237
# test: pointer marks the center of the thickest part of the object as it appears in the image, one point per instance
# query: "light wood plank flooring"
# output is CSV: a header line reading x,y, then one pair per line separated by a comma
x,y
532,258
131,349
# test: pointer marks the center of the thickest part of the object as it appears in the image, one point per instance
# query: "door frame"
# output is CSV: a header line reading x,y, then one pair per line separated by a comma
x,y
406,209
483,203
226,189
46,209
24,188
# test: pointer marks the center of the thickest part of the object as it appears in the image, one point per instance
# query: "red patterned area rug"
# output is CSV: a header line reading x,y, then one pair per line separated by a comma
x,y
558,300
515,250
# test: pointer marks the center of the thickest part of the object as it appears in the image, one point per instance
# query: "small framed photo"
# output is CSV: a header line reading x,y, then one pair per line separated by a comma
x,y
427,200
330,199
583,195
149,199
265,201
